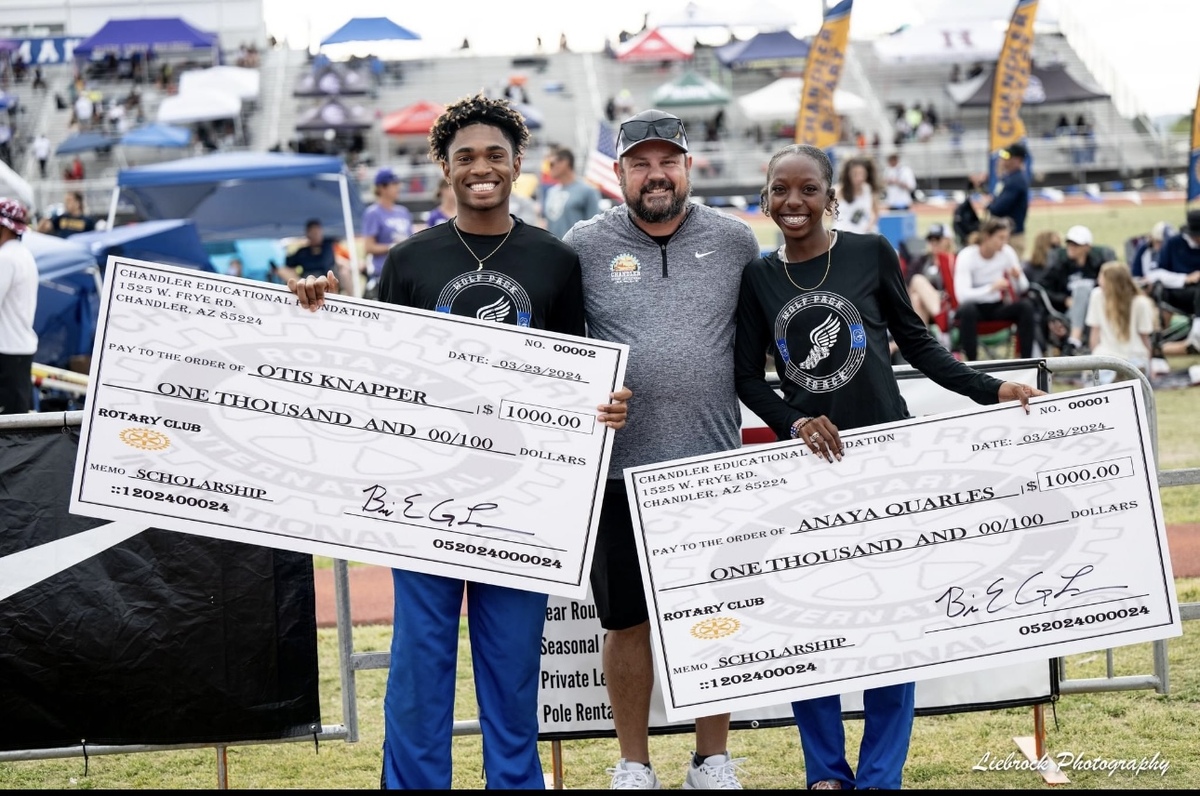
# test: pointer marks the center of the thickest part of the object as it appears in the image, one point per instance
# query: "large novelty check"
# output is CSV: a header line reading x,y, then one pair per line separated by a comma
x,y
368,432
945,544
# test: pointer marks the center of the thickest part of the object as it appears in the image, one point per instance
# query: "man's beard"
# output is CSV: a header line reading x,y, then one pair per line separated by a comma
x,y
653,215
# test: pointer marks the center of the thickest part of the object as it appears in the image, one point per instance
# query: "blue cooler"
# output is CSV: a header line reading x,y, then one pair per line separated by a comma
x,y
898,226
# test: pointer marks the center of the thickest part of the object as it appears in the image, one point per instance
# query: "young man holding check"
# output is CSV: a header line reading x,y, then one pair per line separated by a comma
x,y
484,263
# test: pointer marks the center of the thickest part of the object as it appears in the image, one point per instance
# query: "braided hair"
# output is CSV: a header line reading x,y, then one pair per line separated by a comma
x,y
479,109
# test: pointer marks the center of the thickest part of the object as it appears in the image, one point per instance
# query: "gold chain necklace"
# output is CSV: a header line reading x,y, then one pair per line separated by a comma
x,y
453,223
828,261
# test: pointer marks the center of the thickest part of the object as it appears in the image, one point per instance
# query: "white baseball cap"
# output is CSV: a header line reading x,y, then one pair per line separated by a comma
x,y
1080,235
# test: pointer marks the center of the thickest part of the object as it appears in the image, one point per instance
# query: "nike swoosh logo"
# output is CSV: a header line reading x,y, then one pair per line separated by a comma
x,y
705,254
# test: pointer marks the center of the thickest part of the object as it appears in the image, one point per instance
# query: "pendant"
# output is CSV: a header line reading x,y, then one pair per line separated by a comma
x,y
480,268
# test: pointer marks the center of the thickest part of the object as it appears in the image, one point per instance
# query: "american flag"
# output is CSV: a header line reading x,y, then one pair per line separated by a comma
x,y
599,171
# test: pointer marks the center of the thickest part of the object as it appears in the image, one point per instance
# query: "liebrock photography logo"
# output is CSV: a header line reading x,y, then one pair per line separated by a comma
x,y
1068,761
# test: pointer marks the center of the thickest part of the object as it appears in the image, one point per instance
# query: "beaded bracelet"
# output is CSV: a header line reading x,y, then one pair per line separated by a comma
x,y
799,424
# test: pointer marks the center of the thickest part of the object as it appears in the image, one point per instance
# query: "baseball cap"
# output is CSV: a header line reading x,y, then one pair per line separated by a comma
x,y
386,177
1160,231
651,125
13,216
936,231
1192,224
1079,235
1017,150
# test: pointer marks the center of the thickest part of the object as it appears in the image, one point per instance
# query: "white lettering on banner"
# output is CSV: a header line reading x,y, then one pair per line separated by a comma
x,y
997,553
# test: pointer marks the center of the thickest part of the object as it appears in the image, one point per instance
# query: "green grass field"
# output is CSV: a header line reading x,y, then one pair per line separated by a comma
x,y
1109,727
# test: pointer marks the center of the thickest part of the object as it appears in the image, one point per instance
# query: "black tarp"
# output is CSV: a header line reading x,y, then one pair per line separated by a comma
x,y
166,638
1048,85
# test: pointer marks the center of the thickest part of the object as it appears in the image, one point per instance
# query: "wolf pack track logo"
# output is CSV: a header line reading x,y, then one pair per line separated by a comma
x,y
508,297
836,343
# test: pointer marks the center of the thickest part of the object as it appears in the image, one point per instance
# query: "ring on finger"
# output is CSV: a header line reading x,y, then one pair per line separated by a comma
x,y
815,436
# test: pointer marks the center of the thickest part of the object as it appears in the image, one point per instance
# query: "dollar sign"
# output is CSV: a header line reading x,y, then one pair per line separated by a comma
x,y
1031,486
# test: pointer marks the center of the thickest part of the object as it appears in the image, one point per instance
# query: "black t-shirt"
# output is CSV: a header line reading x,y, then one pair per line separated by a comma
x,y
831,343
533,279
64,226
306,260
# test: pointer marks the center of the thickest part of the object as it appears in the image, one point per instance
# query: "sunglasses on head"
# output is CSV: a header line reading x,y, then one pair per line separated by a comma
x,y
668,129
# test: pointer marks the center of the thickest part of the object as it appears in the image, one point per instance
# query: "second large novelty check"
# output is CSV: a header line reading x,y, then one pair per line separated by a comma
x,y
370,432
939,545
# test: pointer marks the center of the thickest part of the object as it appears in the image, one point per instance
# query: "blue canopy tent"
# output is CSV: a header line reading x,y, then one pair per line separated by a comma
x,y
369,29
68,301
234,196
156,34
171,241
166,136
84,142
768,50
70,272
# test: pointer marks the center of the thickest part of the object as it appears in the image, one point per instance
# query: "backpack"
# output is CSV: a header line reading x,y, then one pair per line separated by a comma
x,y
966,221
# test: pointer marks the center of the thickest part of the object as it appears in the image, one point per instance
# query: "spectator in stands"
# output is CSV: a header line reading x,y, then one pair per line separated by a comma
x,y
1145,256
923,278
41,151
315,255
1120,319
385,224
75,171
1012,202
1070,278
18,304
73,219
989,285
899,183
446,207
1051,327
857,197
1044,245
84,110
569,199
1178,273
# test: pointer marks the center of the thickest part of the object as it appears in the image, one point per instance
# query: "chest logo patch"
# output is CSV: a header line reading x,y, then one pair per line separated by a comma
x,y
625,268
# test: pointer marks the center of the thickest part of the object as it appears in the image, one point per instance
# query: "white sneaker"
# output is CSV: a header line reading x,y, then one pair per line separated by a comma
x,y
717,772
633,776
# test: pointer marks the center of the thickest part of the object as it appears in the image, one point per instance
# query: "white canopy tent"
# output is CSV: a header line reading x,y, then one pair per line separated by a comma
x,y
200,105
780,101
952,41
239,81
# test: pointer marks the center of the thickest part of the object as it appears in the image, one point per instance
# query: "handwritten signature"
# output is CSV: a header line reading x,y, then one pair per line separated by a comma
x,y
456,515
960,602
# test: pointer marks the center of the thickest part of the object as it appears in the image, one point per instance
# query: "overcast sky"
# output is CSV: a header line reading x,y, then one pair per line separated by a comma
x,y
1152,42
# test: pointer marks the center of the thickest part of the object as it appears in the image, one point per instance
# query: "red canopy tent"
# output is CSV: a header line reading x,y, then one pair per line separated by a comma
x,y
415,119
654,46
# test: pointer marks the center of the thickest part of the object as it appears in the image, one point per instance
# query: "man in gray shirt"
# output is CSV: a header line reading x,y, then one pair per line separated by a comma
x,y
569,199
660,274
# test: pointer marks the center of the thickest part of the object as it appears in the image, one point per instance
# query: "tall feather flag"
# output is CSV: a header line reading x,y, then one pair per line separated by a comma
x,y
1193,189
817,122
1005,127
599,171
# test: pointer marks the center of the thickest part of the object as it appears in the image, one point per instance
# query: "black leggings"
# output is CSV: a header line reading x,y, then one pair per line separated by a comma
x,y
16,388
969,315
